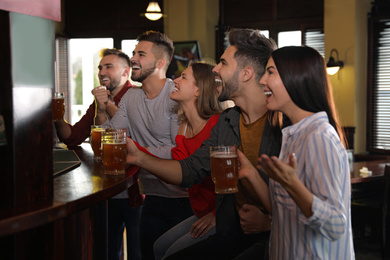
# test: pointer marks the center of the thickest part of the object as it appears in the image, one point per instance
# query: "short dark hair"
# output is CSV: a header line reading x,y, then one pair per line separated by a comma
x,y
253,49
161,41
120,54
303,73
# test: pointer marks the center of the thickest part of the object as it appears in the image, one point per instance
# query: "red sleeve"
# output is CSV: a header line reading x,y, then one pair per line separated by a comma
x,y
179,152
143,149
82,129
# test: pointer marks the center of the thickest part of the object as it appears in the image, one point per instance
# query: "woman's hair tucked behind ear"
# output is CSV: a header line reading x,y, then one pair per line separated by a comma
x,y
207,103
303,72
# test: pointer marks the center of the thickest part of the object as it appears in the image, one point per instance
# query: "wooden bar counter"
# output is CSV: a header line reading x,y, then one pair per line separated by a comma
x,y
71,226
377,167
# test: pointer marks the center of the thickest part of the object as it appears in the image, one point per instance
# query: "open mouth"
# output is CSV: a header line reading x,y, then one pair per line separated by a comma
x,y
218,81
268,93
135,67
102,81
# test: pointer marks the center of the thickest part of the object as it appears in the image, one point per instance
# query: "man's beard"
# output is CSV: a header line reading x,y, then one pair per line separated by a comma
x,y
144,74
229,87
113,85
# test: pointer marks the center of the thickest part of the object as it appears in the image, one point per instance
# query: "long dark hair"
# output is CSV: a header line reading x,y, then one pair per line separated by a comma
x,y
303,72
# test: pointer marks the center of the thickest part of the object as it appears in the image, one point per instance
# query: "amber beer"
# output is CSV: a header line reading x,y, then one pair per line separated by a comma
x,y
58,106
224,168
96,137
114,151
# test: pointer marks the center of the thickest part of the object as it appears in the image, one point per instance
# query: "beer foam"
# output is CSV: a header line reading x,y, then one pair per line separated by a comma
x,y
98,130
223,155
113,142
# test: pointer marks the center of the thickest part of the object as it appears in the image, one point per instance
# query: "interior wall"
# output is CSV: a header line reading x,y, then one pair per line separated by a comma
x,y
189,20
341,36
363,7
345,27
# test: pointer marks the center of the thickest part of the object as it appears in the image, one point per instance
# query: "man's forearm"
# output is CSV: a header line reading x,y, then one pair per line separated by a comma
x,y
167,170
63,129
100,118
111,109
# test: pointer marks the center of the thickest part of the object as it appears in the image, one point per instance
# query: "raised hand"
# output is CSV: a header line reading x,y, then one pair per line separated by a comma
x,y
284,173
101,97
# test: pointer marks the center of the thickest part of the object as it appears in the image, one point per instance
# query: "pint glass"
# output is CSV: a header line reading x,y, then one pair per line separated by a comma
x,y
114,150
224,168
96,137
58,106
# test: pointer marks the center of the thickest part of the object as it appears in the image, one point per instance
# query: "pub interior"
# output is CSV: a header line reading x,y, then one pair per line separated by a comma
x,y
61,217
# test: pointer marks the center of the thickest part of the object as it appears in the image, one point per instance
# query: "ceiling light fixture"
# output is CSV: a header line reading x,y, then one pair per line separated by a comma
x,y
153,12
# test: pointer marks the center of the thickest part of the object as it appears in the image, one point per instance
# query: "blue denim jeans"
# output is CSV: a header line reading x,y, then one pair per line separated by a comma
x,y
158,215
121,215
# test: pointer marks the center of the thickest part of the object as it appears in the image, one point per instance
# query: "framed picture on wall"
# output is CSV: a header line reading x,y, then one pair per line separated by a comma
x,y
185,52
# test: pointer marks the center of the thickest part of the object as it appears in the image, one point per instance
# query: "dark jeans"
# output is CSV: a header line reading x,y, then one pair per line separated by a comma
x,y
121,215
158,215
227,246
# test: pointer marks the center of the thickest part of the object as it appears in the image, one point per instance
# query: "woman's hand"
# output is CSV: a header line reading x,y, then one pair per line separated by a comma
x,y
284,173
203,225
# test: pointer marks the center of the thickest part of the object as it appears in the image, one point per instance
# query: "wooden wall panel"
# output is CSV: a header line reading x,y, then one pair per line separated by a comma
x,y
298,9
33,147
238,12
118,18
270,12
6,151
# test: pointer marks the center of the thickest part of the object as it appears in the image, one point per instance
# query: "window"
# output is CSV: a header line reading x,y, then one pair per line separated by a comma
x,y
315,38
84,58
378,103
128,47
289,38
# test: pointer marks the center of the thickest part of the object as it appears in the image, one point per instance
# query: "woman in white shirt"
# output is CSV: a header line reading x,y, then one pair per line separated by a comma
x,y
309,189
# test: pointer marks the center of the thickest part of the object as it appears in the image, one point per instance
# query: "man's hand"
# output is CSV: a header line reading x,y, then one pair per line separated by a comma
x,y
132,152
252,220
101,97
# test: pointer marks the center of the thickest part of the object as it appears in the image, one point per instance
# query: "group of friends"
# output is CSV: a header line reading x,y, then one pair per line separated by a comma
x,y
294,188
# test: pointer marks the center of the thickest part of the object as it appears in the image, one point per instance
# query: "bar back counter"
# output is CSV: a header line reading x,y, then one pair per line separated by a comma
x,y
74,224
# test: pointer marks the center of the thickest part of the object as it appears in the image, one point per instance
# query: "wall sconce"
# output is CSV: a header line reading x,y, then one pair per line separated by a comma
x,y
153,12
333,66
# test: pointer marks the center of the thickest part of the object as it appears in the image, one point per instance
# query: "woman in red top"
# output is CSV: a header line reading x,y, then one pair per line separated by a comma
x,y
196,91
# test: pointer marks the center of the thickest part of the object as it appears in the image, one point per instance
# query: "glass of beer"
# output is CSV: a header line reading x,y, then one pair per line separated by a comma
x,y
114,150
96,137
224,168
58,106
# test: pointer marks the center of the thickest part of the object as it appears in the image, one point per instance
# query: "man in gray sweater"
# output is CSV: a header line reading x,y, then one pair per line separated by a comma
x,y
147,113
